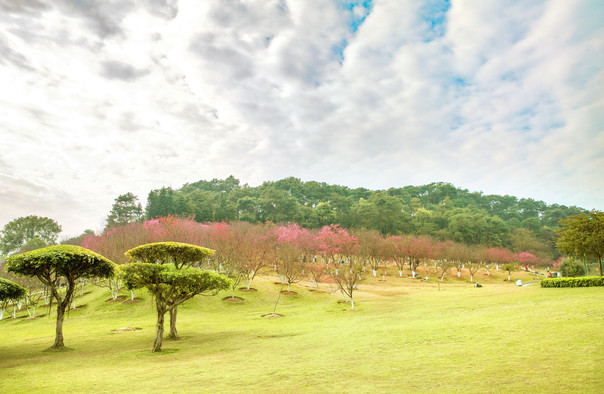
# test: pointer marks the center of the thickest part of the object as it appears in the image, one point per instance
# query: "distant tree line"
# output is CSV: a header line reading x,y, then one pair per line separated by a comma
x,y
439,210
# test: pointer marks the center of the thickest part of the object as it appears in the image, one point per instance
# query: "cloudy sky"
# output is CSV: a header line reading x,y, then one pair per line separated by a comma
x,y
100,98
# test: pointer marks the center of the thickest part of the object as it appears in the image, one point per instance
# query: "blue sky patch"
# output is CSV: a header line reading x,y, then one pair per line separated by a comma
x,y
434,13
359,10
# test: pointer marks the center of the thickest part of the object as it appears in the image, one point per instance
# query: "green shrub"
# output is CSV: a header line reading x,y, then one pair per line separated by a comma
x,y
570,268
585,281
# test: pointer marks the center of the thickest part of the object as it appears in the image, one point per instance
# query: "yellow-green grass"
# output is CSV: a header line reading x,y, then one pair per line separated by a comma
x,y
407,336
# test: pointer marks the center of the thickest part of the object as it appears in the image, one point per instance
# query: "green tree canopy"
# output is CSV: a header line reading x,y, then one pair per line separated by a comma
x,y
63,263
177,253
10,290
126,209
582,236
164,269
17,232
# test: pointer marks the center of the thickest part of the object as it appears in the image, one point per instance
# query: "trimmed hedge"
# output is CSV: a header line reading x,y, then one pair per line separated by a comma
x,y
585,281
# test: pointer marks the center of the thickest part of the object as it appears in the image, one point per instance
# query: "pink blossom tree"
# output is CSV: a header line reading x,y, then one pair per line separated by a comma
x,y
335,243
418,249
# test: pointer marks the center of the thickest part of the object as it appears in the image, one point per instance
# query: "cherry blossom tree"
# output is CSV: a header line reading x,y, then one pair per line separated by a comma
x,y
418,249
292,253
396,247
334,243
371,248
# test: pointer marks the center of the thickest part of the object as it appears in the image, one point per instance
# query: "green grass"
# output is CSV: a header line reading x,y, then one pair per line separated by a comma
x,y
407,336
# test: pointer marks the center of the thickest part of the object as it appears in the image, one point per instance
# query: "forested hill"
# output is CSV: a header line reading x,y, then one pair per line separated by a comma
x,y
438,209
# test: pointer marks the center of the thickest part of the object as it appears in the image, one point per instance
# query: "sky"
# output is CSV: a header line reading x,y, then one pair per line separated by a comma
x,y
101,98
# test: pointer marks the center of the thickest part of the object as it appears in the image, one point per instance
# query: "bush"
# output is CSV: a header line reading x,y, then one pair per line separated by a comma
x,y
586,281
570,268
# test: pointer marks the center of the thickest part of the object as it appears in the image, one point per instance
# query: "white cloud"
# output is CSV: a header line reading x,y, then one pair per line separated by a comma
x,y
102,98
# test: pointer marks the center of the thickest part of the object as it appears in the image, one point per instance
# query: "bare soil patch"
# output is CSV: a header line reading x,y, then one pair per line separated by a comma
x,y
126,329
289,292
233,299
121,298
251,289
134,301
272,315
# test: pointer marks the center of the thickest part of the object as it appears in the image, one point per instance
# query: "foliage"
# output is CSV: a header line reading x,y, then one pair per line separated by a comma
x,y
177,253
570,268
126,209
439,210
582,236
21,230
164,269
62,264
586,281
78,240
61,261
170,286
33,244
10,291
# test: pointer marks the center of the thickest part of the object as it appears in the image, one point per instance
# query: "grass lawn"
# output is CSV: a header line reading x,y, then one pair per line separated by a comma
x,y
407,336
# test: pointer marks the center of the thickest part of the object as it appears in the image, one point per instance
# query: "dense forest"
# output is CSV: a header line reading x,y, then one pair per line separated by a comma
x,y
440,210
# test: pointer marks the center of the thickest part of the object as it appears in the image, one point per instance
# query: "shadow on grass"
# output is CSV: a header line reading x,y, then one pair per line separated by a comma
x,y
164,352
63,349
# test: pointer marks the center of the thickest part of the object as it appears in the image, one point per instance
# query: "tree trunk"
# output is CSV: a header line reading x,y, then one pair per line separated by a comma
x,y
400,274
374,273
173,333
59,329
160,331
471,278
351,303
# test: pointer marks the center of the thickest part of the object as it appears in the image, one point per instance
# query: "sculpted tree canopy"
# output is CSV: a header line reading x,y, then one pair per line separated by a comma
x,y
57,265
9,292
19,231
164,269
177,253
582,236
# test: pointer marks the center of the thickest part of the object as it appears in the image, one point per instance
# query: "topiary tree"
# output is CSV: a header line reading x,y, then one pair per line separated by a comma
x,y
62,264
171,287
9,292
164,269
570,268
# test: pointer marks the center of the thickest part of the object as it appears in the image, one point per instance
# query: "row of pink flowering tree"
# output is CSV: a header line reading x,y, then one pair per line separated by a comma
x,y
332,253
